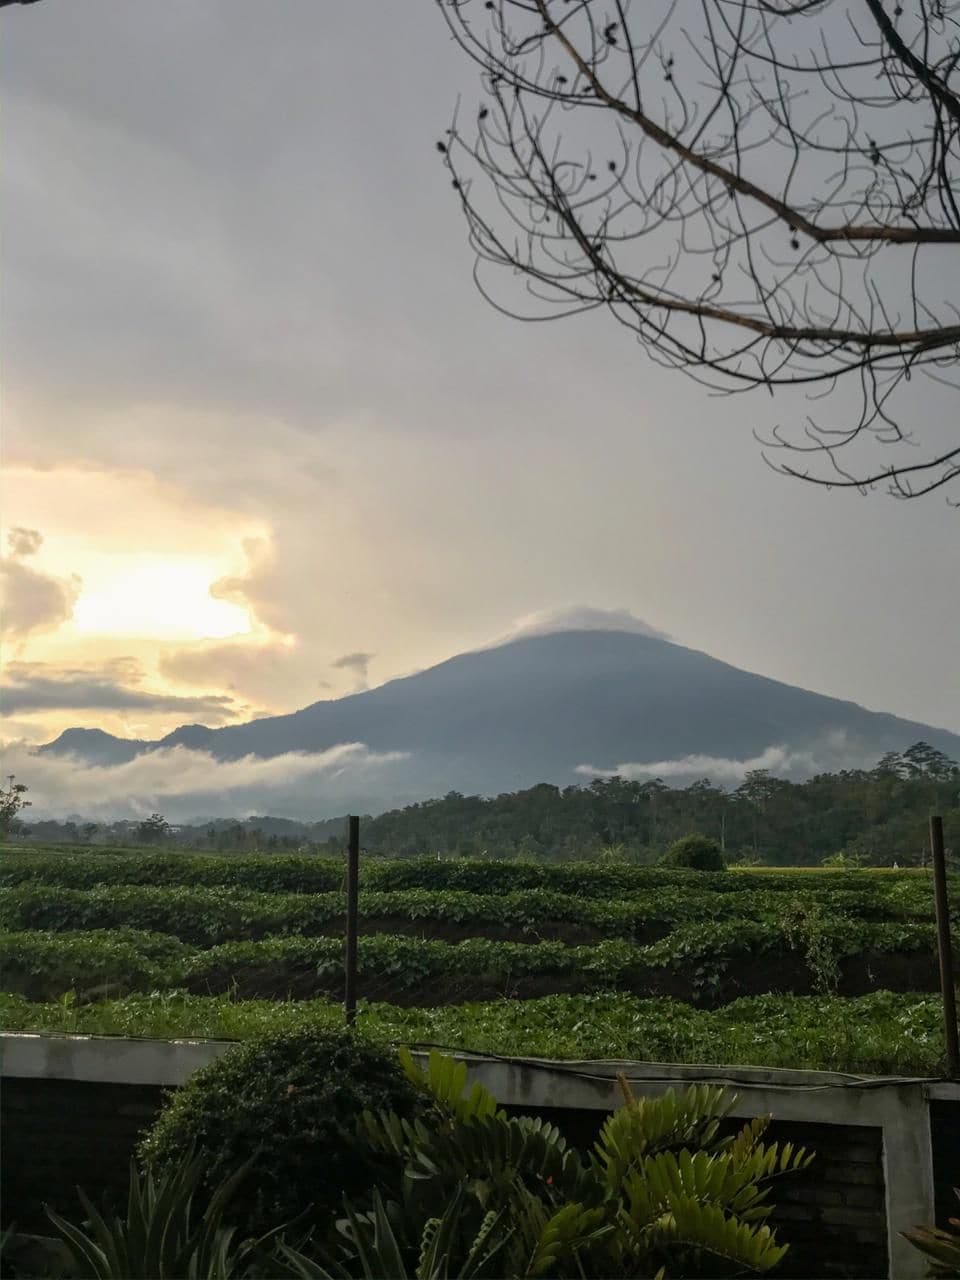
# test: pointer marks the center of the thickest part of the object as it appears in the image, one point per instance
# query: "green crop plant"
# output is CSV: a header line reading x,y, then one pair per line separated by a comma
x,y
294,873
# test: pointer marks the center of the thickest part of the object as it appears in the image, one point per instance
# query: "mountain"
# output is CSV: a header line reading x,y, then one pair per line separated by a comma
x,y
555,708
96,747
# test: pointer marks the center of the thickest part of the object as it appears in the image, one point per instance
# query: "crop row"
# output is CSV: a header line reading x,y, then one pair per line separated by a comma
x,y
880,1033
269,873
707,962
210,915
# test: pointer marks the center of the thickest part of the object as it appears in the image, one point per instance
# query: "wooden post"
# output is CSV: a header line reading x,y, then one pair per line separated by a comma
x,y
350,957
944,948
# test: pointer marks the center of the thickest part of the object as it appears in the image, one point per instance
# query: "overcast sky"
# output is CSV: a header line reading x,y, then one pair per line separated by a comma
x,y
264,443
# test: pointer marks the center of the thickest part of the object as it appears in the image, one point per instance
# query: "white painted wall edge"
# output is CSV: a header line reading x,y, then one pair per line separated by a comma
x,y
128,1060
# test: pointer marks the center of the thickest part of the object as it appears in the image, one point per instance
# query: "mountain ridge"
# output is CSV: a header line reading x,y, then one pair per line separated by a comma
x,y
550,707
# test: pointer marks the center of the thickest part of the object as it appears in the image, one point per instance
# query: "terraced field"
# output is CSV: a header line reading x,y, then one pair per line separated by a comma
x,y
794,968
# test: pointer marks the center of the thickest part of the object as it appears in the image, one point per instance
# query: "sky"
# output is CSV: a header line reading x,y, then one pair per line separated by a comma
x,y
264,443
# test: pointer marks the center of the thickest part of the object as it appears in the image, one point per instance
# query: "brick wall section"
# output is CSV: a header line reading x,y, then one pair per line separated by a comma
x,y
60,1133
833,1214
945,1136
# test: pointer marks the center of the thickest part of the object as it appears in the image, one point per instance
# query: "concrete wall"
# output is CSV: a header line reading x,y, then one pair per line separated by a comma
x,y
73,1105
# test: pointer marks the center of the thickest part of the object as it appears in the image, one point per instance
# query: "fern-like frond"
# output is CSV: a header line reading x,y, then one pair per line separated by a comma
x,y
705,1227
670,1121
445,1080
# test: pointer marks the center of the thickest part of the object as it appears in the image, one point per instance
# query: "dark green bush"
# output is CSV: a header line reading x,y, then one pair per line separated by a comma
x,y
291,1104
695,853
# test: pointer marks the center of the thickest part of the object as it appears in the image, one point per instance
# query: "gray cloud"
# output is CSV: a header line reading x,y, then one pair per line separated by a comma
x,y
24,542
36,687
359,664
182,783
32,601
269,675
775,759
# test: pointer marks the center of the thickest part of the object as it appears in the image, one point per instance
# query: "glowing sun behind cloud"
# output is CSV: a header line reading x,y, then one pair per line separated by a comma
x,y
133,573
161,597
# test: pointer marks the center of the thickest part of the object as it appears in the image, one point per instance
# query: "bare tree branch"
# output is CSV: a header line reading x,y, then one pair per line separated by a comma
x,y
777,204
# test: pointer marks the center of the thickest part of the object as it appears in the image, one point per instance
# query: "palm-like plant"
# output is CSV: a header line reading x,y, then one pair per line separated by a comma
x,y
534,1236
681,1194
379,1252
164,1235
663,1192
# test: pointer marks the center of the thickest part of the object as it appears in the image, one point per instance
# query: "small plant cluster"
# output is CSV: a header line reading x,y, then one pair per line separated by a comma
x,y
314,1154
696,853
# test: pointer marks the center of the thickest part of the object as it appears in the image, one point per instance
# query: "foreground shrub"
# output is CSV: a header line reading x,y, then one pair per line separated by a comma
x,y
288,1104
695,853
662,1188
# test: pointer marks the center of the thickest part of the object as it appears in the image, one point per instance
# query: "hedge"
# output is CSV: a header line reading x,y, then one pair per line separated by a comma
x,y
710,962
273,873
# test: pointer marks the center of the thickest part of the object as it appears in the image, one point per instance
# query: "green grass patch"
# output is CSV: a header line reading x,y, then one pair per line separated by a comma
x,y
882,1033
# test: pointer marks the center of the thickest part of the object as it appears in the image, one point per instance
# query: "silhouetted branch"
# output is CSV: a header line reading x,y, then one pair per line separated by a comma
x,y
765,192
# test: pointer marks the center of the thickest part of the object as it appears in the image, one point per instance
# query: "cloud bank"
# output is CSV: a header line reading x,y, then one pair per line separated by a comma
x,y
182,783
775,759
29,688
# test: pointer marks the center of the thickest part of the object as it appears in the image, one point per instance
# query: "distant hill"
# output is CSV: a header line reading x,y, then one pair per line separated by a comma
x,y
96,747
554,708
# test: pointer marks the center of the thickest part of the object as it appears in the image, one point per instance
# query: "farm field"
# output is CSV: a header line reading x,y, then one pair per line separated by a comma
x,y
801,968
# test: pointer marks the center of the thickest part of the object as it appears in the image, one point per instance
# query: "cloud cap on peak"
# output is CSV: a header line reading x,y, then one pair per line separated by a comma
x,y
582,617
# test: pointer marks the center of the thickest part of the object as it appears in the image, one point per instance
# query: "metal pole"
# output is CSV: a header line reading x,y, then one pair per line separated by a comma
x,y
350,958
943,946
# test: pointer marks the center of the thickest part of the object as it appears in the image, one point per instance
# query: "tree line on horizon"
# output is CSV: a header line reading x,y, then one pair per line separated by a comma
x,y
875,816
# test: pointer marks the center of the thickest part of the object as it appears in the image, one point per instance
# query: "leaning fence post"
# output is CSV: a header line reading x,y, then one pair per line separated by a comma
x,y
947,988
350,955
